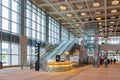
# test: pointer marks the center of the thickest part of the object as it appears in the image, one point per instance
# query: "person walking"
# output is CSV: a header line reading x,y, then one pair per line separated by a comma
x,y
105,62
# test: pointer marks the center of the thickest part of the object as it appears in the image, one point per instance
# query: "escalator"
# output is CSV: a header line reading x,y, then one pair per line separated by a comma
x,y
44,54
54,51
62,50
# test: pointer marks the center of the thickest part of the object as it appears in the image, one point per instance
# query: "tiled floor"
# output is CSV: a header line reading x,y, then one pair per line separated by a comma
x,y
82,73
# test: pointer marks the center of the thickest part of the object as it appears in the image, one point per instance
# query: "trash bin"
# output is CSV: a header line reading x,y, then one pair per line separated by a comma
x,y
1,65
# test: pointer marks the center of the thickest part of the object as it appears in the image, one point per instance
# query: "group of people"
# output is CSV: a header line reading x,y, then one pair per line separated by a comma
x,y
107,61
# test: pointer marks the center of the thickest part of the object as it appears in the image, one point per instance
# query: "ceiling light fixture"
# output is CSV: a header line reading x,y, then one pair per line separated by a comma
x,y
79,6
62,7
100,23
86,19
112,22
112,17
115,2
73,20
83,14
77,24
114,11
96,4
110,33
100,26
98,18
101,29
110,29
69,15
97,12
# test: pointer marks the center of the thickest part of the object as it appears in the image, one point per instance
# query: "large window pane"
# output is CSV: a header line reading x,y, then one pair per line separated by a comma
x,y
5,36
29,50
5,48
5,3
5,24
14,5
38,35
33,34
28,22
15,59
15,27
5,12
14,16
15,49
29,34
28,14
6,60
33,25
38,27
33,17
15,39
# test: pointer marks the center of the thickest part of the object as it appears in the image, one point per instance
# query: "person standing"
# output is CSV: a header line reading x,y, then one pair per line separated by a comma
x,y
111,60
114,60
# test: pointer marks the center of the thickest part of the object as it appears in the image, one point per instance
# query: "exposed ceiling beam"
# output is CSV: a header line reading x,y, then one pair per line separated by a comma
x,y
62,2
86,10
90,21
60,14
74,13
89,11
102,15
118,22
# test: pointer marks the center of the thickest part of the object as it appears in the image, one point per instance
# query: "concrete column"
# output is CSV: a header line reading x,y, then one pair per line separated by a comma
x,y
22,17
0,50
23,49
60,33
23,38
47,32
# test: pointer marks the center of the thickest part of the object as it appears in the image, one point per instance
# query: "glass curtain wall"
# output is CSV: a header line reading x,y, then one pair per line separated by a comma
x,y
35,27
53,31
64,34
110,40
9,31
71,36
35,22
